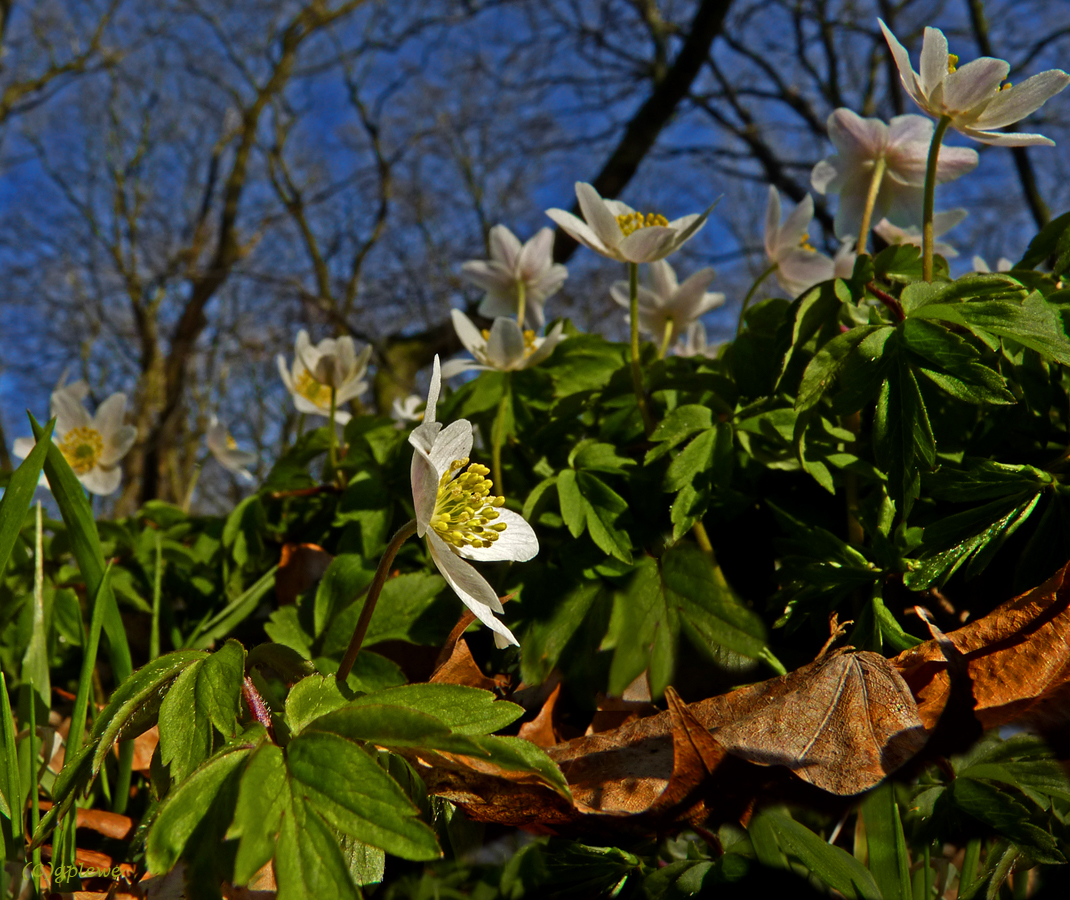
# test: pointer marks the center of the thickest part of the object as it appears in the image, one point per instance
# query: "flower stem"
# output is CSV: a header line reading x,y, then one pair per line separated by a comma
x,y
497,436
521,299
637,372
188,499
663,349
405,532
750,294
871,199
930,199
332,437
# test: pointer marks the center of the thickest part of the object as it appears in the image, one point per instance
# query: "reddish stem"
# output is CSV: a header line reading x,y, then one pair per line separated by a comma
x,y
258,709
888,300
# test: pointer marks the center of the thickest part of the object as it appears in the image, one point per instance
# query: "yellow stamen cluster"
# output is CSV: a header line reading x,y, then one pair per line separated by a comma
x,y
312,390
633,221
82,447
952,63
530,345
804,243
465,508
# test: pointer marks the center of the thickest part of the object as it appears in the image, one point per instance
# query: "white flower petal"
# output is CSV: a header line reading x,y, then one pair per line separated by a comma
x,y
69,413
536,255
117,445
690,297
599,218
583,233
433,390
466,582
772,223
456,366
517,542
504,247
902,61
505,346
825,175
647,244
1008,138
802,269
933,65
490,276
102,481
469,335
663,280
424,479
452,443
910,129
109,416
22,447
1016,103
975,84
546,347
854,136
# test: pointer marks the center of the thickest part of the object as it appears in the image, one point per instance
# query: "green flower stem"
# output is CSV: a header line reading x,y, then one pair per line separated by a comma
x,y
405,532
332,437
637,371
871,199
663,349
750,294
930,199
497,436
521,299
969,867
192,486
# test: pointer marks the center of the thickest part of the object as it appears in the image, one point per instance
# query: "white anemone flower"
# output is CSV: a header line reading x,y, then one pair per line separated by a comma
x,y
942,223
667,308
407,410
904,146
614,229
972,96
225,450
333,362
458,516
92,445
798,265
511,265
982,268
503,347
695,343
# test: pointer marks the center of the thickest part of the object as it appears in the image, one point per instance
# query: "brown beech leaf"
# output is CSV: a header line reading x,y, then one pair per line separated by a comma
x,y
456,665
1017,657
540,730
842,723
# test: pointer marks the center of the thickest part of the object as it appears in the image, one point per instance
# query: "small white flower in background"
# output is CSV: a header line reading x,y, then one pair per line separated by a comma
x,y
981,267
667,304
316,369
459,516
92,445
224,448
972,96
787,246
407,410
504,347
843,262
616,230
904,146
511,264
942,223
695,343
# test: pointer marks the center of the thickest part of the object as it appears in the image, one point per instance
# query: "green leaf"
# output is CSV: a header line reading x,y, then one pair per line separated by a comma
x,y
204,800
1034,323
599,457
888,858
465,710
983,479
898,263
346,576
85,545
263,797
606,513
958,371
237,610
405,611
1052,242
678,425
970,287
308,860
694,460
10,786
1008,816
573,508
18,495
823,370
343,784
647,633
836,867
244,529
902,436
205,696
311,698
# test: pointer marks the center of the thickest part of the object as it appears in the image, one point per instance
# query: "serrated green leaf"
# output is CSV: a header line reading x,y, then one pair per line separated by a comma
x,y
605,513
1008,816
206,798
678,425
822,371
263,797
205,696
835,867
983,479
1052,242
464,710
308,859
346,576
311,698
343,784
573,508
695,459
599,457
957,371
902,436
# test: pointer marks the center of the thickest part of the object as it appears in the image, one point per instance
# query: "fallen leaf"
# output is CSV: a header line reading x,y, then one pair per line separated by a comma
x,y
540,730
455,664
1018,661
109,824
